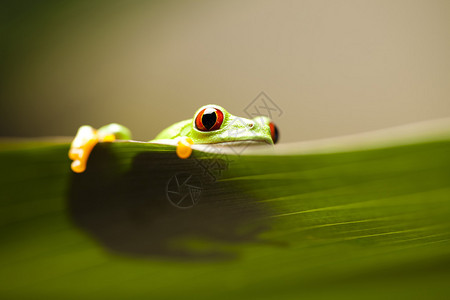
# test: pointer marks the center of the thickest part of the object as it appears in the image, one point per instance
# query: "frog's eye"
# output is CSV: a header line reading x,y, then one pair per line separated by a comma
x,y
273,132
209,119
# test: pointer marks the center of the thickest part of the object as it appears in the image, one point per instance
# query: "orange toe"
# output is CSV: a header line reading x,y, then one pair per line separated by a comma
x,y
184,149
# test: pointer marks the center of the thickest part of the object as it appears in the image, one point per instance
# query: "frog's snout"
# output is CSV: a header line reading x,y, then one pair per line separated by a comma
x,y
272,128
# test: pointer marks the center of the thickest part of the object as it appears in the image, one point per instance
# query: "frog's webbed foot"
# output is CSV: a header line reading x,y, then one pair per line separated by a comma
x,y
184,147
86,139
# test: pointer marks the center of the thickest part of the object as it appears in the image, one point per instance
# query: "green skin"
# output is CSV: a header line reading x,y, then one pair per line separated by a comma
x,y
233,129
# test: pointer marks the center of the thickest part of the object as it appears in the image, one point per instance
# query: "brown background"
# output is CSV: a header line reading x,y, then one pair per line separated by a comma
x,y
333,67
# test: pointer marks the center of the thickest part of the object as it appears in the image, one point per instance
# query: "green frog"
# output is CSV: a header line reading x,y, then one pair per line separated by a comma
x,y
211,124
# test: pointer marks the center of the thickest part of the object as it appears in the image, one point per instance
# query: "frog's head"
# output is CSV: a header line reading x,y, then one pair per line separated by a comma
x,y
212,124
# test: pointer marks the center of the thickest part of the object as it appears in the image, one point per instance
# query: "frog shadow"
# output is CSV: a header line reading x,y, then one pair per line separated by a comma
x,y
136,212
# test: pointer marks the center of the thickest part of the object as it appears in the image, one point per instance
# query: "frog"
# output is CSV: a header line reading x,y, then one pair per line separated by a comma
x,y
211,124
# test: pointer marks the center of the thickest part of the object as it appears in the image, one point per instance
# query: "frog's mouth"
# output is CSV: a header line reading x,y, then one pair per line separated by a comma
x,y
242,143
232,147
239,143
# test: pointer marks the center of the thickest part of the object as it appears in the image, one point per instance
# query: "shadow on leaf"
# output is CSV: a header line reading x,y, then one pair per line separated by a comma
x,y
162,206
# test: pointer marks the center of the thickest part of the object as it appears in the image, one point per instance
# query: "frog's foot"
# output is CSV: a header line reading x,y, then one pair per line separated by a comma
x,y
184,147
87,137
82,145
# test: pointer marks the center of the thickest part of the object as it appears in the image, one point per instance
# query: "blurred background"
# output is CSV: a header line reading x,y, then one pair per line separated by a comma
x,y
332,67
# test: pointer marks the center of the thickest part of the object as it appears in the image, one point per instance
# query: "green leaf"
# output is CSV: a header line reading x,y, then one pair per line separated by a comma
x,y
367,223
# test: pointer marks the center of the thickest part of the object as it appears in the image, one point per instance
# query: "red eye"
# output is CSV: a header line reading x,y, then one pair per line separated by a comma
x,y
209,119
273,132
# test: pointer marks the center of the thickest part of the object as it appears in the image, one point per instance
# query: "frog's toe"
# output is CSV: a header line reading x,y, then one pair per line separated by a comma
x,y
78,166
184,147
